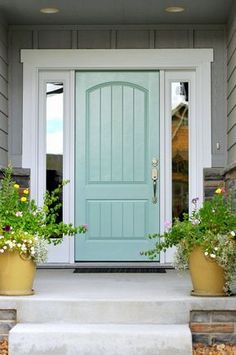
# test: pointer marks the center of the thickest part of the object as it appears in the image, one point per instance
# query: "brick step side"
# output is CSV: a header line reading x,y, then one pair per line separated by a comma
x,y
210,327
7,322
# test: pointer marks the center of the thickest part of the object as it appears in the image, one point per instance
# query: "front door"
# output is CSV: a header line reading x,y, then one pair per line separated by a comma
x,y
117,145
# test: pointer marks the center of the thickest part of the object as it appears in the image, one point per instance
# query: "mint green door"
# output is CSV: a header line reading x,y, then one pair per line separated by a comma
x,y
117,137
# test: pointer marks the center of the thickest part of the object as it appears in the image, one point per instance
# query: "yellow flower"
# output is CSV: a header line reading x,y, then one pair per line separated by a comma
x,y
16,186
23,199
218,191
26,191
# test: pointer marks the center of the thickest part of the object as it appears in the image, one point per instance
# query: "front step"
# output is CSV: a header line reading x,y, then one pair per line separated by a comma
x,y
103,311
100,339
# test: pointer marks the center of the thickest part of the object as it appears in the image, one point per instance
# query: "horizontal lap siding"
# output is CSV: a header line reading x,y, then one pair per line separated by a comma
x,y
206,39
231,98
3,96
122,37
20,40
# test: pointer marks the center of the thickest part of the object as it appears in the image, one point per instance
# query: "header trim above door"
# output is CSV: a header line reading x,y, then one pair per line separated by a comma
x,y
98,59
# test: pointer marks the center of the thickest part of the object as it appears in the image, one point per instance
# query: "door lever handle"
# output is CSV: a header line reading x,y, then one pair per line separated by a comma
x,y
154,179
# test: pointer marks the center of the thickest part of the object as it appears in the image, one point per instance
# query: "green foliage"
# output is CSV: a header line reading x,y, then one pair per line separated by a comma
x,y
212,227
27,228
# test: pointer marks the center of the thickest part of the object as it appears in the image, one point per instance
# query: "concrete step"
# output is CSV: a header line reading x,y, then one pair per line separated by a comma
x,y
123,311
100,339
103,311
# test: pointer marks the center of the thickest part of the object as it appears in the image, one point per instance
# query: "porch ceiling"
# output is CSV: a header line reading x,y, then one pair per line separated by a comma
x,y
107,12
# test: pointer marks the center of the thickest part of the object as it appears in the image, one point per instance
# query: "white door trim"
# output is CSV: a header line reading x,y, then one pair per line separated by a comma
x,y
65,251
195,175
34,61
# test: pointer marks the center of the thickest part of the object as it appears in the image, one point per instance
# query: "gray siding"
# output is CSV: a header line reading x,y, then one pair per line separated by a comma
x,y
163,36
231,92
3,96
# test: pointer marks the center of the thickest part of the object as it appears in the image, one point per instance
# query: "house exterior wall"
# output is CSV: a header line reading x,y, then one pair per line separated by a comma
x,y
231,97
120,37
3,95
230,171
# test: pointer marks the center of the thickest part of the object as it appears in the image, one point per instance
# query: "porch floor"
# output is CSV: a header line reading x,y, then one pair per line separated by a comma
x,y
65,286
58,284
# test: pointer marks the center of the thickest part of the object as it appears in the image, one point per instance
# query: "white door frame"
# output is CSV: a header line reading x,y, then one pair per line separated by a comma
x,y
65,62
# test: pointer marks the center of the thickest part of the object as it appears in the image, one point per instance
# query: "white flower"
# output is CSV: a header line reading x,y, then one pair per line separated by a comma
x,y
1,250
216,248
5,247
195,221
212,256
19,245
1,236
19,214
232,233
10,244
30,241
206,253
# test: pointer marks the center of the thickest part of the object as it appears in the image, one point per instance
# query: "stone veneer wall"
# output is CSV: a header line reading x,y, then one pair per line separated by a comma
x,y
7,322
218,177
213,327
230,183
20,176
213,178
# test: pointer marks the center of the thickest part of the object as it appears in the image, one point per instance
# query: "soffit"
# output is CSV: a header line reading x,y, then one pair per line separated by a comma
x,y
114,12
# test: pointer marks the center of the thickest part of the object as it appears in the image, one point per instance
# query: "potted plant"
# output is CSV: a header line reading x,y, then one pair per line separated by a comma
x,y
206,243
25,232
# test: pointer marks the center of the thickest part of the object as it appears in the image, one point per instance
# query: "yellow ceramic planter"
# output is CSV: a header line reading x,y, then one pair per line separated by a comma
x,y
208,277
16,274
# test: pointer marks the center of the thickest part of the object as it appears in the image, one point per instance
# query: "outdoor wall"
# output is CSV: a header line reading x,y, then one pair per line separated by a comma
x,y
231,74
165,36
3,95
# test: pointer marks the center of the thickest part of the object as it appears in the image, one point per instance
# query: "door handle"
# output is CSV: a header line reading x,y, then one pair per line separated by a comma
x,y
154,179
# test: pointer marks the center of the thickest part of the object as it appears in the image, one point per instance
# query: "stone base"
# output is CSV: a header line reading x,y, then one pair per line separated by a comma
x,y
210,327
213,178
219,177
230,183
20,176
7,322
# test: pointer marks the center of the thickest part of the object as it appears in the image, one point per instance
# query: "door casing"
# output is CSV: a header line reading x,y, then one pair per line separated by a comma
x,y
41,65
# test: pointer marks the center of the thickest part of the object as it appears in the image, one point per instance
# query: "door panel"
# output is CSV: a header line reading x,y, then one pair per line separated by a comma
x,y
117,136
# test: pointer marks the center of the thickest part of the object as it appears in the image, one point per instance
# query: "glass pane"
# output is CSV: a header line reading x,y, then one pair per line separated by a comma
x,y
54,137
180,150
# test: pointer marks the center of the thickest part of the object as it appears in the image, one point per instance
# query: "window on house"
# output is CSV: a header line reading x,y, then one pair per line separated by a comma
x,y
180,148
54,137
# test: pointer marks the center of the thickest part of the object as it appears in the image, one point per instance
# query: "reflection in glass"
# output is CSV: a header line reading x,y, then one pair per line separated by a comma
x,y
54,137
180,150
